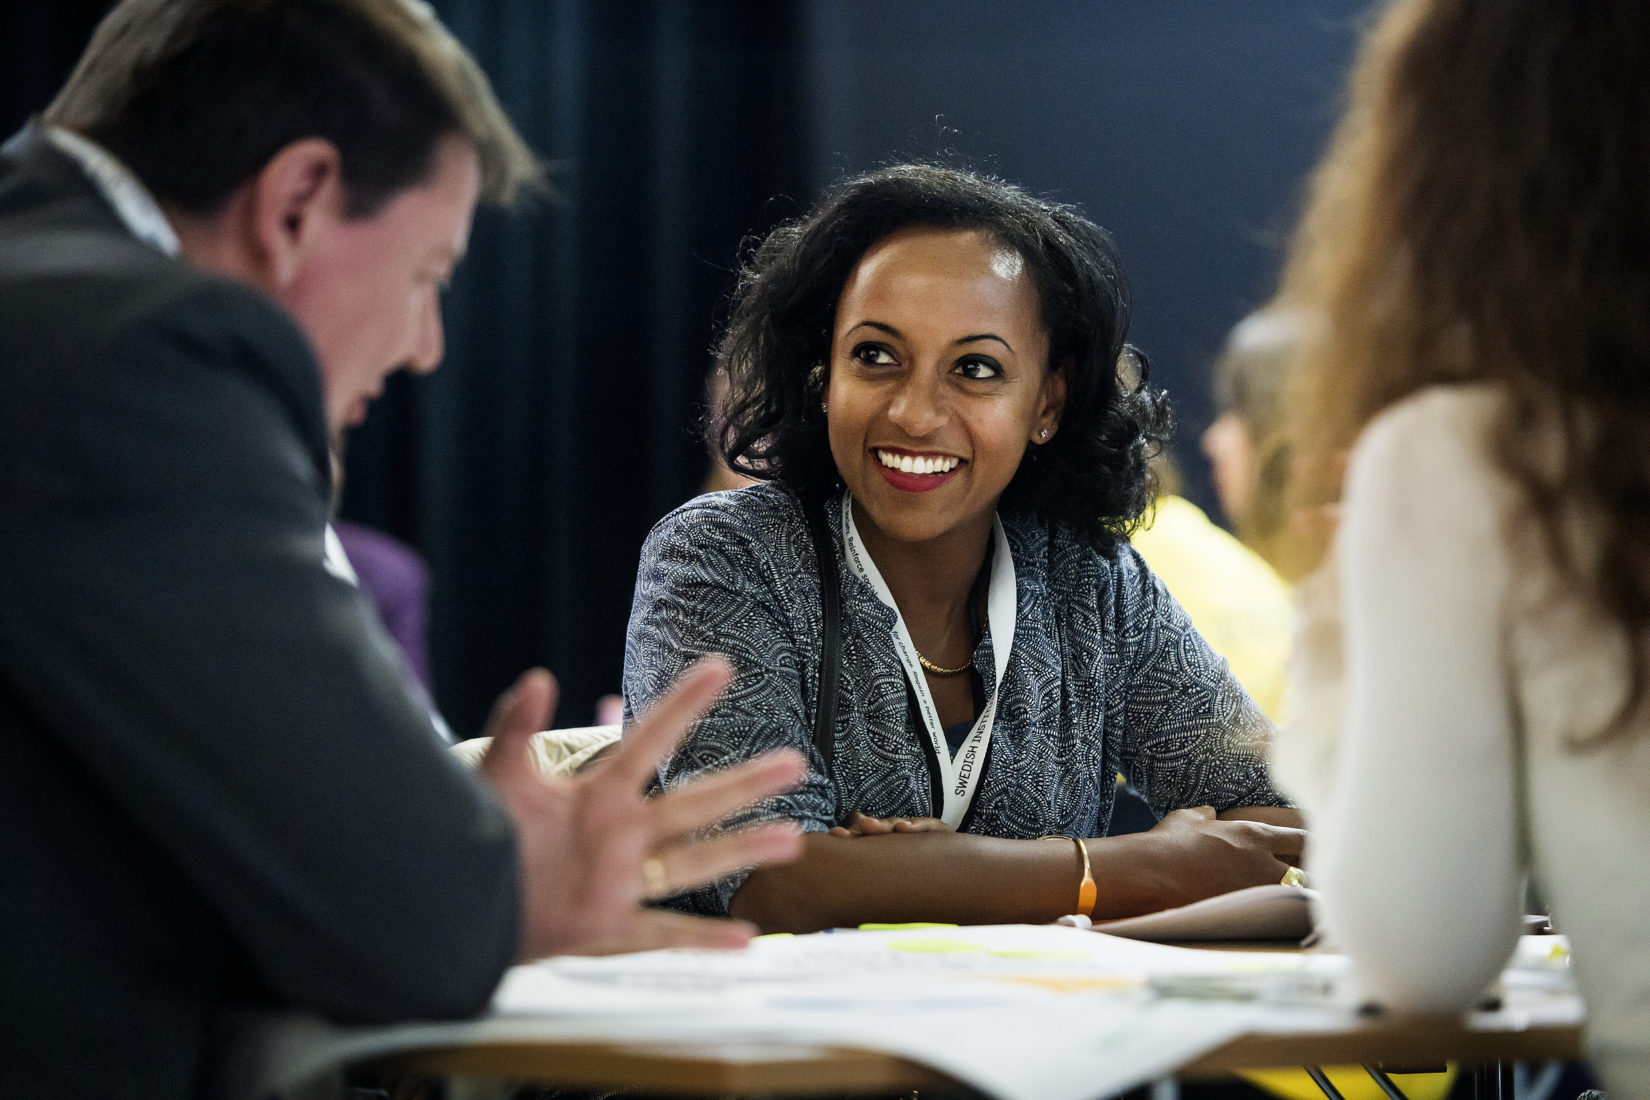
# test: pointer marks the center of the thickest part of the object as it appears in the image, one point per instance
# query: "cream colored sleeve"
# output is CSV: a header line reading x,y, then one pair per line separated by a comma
x,y
1415,838
1305,749
555,752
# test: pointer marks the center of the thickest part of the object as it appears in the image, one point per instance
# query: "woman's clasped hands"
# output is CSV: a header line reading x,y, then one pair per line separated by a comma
x,y
1195,853
860,824
1189,855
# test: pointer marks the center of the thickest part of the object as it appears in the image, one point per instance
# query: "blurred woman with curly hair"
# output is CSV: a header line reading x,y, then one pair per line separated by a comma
x,y
929,373
1478,242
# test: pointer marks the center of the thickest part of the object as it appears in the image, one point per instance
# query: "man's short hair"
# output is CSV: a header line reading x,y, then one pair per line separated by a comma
x,y
196,96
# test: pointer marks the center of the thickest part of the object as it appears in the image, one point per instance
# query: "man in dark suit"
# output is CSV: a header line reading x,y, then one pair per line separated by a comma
x,y
231,225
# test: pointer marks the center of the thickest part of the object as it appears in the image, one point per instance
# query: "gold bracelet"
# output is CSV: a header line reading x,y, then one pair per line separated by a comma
x,y
1087,892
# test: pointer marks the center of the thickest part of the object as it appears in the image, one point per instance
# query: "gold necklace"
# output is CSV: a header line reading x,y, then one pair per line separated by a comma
x,y
976,598
937,670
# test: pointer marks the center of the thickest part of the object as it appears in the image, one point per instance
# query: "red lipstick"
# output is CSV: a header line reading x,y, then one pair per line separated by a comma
x,y
913,483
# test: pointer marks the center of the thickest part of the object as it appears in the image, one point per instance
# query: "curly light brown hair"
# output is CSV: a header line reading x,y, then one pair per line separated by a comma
x,y
1483,214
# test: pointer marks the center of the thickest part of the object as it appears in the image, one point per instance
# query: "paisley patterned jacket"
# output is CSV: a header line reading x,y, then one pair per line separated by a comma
x,y
1107,675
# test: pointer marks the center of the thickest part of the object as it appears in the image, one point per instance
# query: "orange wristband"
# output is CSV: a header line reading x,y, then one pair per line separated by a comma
x,y
1087,892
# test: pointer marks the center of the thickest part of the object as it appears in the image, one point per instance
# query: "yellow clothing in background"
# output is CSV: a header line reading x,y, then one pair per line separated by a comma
x,y
1236,600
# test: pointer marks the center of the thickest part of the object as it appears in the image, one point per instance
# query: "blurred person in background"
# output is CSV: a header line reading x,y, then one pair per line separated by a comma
x,y
1247,444
1235,599
1234,584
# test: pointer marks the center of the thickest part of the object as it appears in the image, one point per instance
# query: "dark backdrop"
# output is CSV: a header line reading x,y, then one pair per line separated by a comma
x,y
1186,127
563,424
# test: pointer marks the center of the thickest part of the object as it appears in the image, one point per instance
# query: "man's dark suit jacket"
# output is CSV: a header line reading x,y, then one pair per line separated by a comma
x,y
212,779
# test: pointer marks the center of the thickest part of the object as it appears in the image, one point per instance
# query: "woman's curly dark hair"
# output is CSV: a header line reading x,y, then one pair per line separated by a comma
x,y
1092,475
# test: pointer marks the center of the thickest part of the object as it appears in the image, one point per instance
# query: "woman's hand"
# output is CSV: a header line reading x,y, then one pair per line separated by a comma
x,y
858,824
1191,854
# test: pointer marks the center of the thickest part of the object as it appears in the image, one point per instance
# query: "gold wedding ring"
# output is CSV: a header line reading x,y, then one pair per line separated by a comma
x,y
654,883
1294,877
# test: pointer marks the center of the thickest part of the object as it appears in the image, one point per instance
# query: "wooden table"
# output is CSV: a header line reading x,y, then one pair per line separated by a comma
x,y
731,1069
1403,1041
735,1069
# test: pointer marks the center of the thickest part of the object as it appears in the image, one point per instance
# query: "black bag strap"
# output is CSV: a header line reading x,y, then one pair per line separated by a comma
x,y
830,650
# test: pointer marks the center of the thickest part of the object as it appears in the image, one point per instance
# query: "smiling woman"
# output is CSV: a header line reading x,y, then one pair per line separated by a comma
x,y
933,365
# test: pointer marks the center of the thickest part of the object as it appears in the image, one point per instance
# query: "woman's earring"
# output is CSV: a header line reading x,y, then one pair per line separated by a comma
x,y
824,407
1043,434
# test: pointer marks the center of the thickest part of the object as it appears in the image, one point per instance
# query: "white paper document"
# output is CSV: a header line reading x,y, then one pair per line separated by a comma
x,y
1016,1011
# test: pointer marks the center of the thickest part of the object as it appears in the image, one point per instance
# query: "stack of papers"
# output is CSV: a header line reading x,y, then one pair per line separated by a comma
x,y
1016,1011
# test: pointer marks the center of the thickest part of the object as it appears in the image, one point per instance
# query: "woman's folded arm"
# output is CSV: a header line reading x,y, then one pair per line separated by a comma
x,y
962,878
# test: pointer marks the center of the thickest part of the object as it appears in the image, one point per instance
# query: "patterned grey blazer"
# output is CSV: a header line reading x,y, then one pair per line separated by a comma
x,y
1107,675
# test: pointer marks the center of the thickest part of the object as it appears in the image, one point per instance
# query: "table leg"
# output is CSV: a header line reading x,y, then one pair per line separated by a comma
x,y
1321,1079
1494,1082
1388,1086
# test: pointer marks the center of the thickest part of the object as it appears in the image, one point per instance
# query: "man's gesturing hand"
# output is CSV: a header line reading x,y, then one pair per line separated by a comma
x,y
592,849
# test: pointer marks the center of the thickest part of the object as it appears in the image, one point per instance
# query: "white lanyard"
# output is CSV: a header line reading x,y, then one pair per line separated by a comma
x,y
959,776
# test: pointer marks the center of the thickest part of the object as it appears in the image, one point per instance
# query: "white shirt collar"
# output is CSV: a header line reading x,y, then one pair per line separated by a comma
x,y
132,202
336,559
